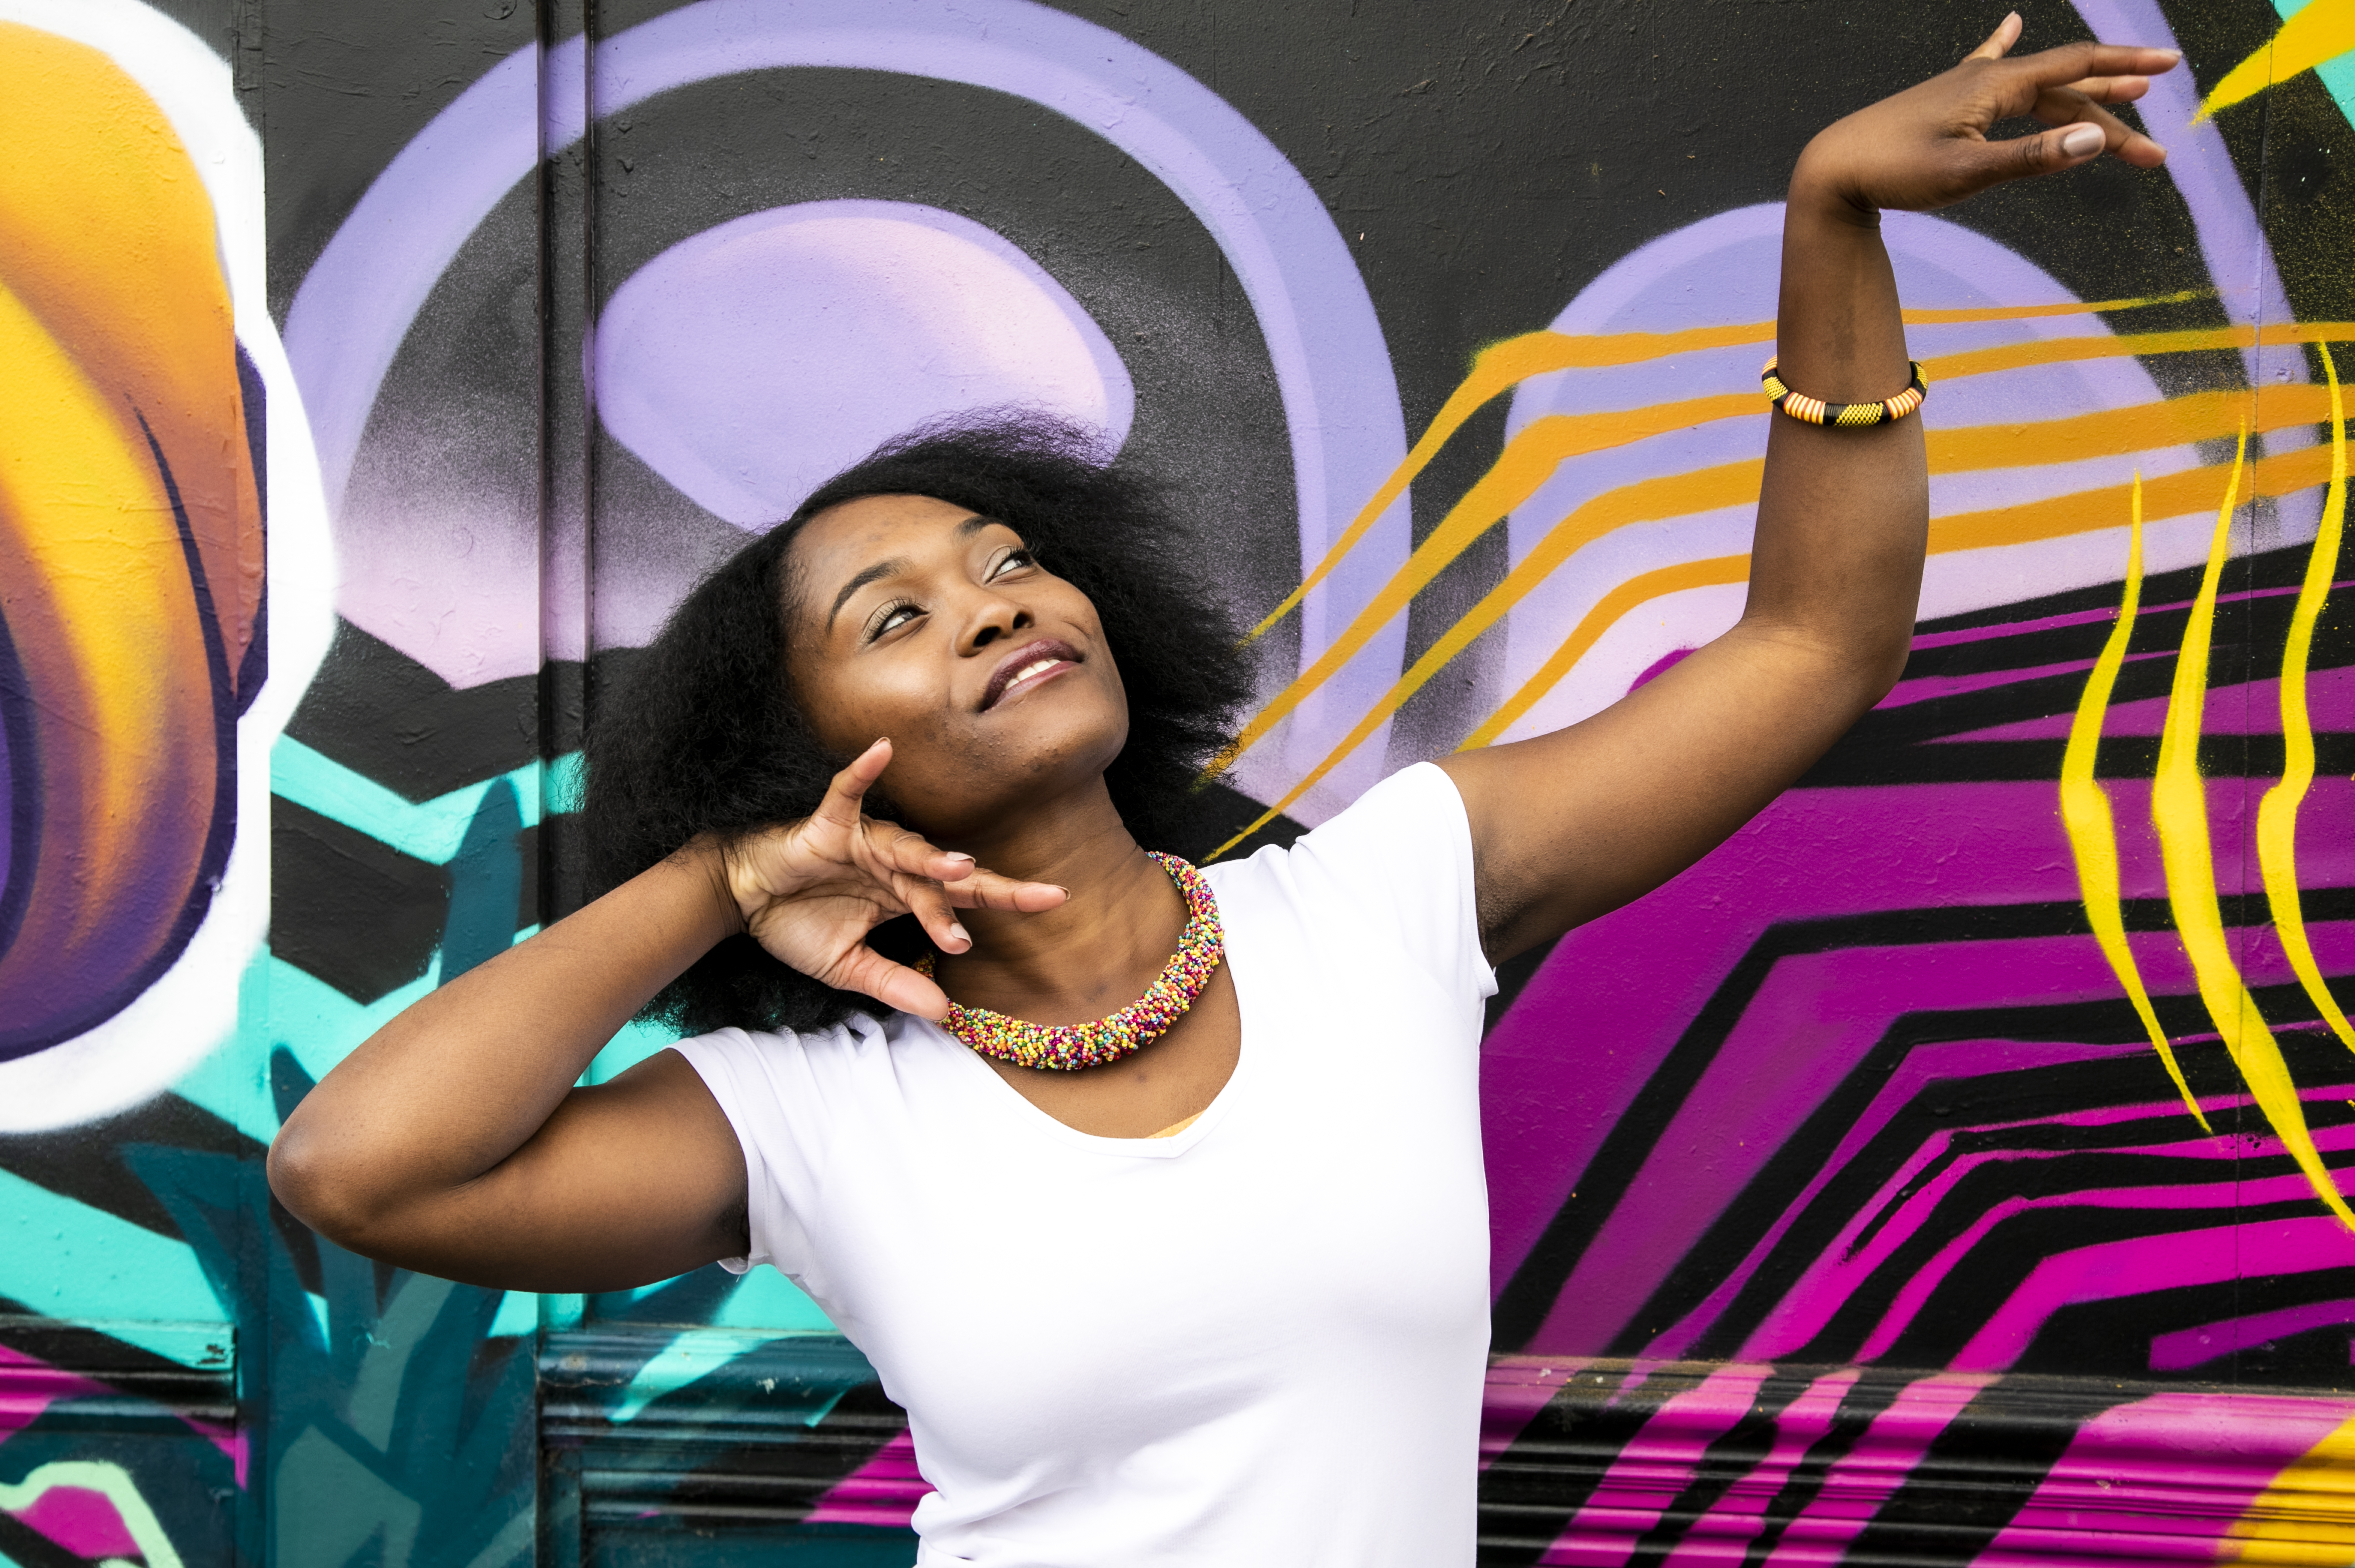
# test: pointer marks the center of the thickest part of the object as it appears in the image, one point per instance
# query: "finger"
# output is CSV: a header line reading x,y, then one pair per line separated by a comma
x,y
898,850
1999,42
2065,108
2074,62
2110,88
928,902
988,890
849,787
870,973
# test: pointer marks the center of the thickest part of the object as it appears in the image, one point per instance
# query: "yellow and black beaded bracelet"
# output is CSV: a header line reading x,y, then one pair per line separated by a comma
x,y
1846,415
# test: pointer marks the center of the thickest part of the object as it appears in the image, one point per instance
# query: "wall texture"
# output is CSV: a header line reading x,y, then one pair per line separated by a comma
x,y
1948,1170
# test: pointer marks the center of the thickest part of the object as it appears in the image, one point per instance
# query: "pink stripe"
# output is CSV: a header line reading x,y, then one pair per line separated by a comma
x,y
1519,1387
2080,616
2191,1347
1653,1468
2152,1263
29,1386
1833,1276
1723,1533
83,1521
884,1491
2162,1480
1864,1477
2251,708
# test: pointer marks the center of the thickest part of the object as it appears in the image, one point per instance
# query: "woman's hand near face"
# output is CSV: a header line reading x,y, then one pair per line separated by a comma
x,y
811,892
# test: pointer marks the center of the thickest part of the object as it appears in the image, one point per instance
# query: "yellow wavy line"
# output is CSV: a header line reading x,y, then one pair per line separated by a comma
x,y
1647,500
1503,366
2179,809
2278,813
2111,433
2030,520
1527,461
2323,31
1658,583
2085,813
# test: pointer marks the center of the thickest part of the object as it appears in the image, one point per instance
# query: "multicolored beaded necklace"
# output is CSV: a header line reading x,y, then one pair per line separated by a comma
x,y
1068,1047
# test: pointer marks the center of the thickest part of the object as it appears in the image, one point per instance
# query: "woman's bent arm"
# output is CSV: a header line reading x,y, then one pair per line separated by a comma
x,y
454,1140
1572,824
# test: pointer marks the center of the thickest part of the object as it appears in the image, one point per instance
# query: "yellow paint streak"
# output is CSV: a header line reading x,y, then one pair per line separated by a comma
x,y
2103,345
2306,1515
1527,461
2278,813
1506,365
1522,468
94,589
2323,31
2172,496
2179,809
109,239
2116,432
2072,308
1647,500
1642,588
2092,831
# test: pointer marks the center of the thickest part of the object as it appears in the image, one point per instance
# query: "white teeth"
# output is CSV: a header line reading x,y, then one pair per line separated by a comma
x,y
1032,669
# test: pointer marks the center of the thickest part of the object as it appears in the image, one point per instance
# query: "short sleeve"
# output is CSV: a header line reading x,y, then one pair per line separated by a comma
x,y
775,1097
1401,858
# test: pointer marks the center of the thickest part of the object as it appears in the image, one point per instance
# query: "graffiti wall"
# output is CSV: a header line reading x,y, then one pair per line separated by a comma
x,y
1953,1168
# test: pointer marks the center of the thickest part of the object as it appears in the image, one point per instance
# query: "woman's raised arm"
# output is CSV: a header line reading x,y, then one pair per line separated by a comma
x,y
1569,825
454,1140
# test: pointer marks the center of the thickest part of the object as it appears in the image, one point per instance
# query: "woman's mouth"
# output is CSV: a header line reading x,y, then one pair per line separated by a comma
x,y
1029,666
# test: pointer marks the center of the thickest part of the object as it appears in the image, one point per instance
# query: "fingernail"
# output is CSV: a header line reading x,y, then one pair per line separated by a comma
x,y
957,854
2173,56
959,933
2083,140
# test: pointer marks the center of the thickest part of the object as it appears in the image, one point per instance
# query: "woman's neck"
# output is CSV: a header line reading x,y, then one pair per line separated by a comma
x,y
1094,955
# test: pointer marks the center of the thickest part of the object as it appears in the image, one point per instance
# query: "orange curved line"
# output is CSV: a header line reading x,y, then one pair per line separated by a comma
x,y
1641,588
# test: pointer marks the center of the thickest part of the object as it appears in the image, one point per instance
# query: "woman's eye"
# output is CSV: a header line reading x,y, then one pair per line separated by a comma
x,y
1010,560
891,619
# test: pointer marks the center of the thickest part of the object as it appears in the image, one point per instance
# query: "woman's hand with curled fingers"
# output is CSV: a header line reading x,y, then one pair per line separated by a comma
x,y
1929,147
811,892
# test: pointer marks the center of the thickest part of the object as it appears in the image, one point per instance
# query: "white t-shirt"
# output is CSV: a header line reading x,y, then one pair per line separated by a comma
x,y
1259,1341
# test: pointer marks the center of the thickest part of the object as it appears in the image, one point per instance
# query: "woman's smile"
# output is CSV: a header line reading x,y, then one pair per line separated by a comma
x,y
1028,667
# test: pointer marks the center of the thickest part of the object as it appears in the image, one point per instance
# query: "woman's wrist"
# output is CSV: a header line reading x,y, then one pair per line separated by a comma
x,y
705,862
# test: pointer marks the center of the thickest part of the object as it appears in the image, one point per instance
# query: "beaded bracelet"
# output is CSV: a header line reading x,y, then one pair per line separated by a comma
x,y
1847,416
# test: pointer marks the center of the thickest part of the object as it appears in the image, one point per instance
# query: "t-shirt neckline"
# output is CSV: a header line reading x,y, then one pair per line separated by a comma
x,y
1018,1106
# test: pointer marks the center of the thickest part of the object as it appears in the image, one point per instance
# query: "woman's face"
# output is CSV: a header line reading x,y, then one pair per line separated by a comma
x,y
915,620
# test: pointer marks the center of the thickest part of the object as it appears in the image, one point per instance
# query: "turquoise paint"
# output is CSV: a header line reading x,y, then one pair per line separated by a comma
x,y
767,1299
486,884
697,1353
431,830
518,1313
2338,75
233,1081
66,1259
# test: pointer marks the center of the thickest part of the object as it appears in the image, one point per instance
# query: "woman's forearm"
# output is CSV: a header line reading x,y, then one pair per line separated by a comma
x,y
1843,515
463,1078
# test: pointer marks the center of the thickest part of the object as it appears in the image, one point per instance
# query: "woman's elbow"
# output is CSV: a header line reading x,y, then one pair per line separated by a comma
x,y
327,1193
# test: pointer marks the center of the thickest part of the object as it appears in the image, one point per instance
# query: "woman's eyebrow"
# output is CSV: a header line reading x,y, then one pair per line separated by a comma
x,y
879,569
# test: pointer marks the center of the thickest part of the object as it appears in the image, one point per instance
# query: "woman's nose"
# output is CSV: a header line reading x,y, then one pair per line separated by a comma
x,y
995,615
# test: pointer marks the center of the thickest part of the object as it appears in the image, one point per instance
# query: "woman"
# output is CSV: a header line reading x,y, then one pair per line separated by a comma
x,y
1213,1292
